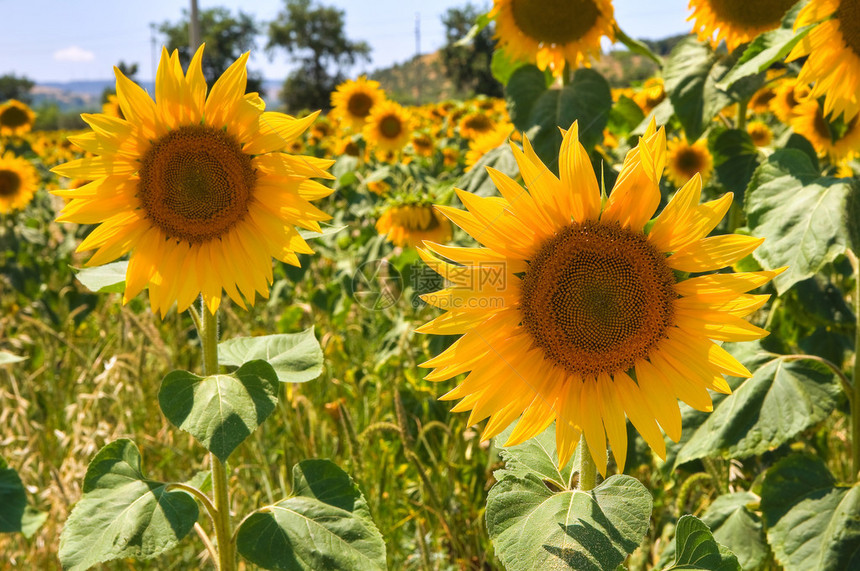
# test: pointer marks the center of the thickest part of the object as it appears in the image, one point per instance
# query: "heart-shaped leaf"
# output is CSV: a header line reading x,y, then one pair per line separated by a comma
x,y
296,357
325,525
220,411
122,513
696,548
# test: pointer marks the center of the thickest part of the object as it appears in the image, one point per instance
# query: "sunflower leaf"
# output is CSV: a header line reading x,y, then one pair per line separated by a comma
x,y
800,215
735,160
478,181
109,278
296,357
13,498
765,50
812,523
782,399
325,525
533,526
122,513
696,548
220,411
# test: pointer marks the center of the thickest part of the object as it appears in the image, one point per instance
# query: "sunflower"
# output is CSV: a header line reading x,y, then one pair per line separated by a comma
x,y
760,133
736,21
410,224
423,144
475,124
572,312
111,106
833,47
18,182
353,101
388,126
196,188
836,138
651,95
685,160
789,94
16,118
760,101
550,32
486,142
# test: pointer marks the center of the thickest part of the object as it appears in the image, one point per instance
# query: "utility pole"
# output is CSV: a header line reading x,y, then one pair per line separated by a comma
x,y
418,63
154,52
194,27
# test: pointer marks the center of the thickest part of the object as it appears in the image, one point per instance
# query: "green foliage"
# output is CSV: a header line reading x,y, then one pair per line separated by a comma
x,y
226,37
800,214
122,513
295,357
696,548
735,159
326,524
313,35
109,278
538,520
220,411
14,87
812,522
13,498
468,64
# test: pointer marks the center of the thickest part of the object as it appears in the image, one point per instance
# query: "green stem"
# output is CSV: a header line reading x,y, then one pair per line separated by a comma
x,y
208,329
854,395
587,467
742,114
736,216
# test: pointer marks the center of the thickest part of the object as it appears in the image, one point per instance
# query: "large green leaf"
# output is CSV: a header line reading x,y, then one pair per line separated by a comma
x,y
296,357
781,399
696,548
325,525
220,411
587,99
122,513
536,521
109,278
13,499
765,50
812,523
478,181
800,215
735,159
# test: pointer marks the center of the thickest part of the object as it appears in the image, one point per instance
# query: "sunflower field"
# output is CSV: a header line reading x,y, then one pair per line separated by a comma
x,y
234,338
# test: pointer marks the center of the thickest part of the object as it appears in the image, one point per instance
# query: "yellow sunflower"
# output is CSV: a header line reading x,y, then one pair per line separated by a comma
x,y
789,94
111,106
650,95
388,127
571,312
838,139
760,133
16,118
736,21
833,47
18,182
475,124
486,142
550,32
685,160
196,188
760,101
423,144
408,225
353,101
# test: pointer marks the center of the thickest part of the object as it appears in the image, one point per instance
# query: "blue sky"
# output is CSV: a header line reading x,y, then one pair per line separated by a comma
x,y
54,40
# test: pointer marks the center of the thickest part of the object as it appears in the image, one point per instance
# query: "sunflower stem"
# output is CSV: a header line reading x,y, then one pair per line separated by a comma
x,y
854,395
208,329
587,467
742,114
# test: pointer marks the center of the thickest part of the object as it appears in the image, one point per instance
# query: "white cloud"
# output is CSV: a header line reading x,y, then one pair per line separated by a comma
x,y
75,54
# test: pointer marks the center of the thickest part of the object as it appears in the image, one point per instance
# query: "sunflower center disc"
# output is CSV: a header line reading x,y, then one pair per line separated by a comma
x,y
597,297
478,123
196,183
14,117
689,161
390,127
359,104
555,21
417,218
10,182
848,15
751,13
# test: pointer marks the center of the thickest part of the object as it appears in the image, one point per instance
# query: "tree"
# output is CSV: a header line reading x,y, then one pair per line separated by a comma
x,y
129,70
14,87
468,66
226,37
314,35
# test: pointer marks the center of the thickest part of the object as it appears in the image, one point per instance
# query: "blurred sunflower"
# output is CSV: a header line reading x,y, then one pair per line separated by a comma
x,y
408,225
760,101
789,94
388,127
16,118
475,124
736,21
685,160
18,182
550,32
450,156
836,138
486,142
353,101
760,133
650,95
196,189
572,312
111,106
423,144
833,50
